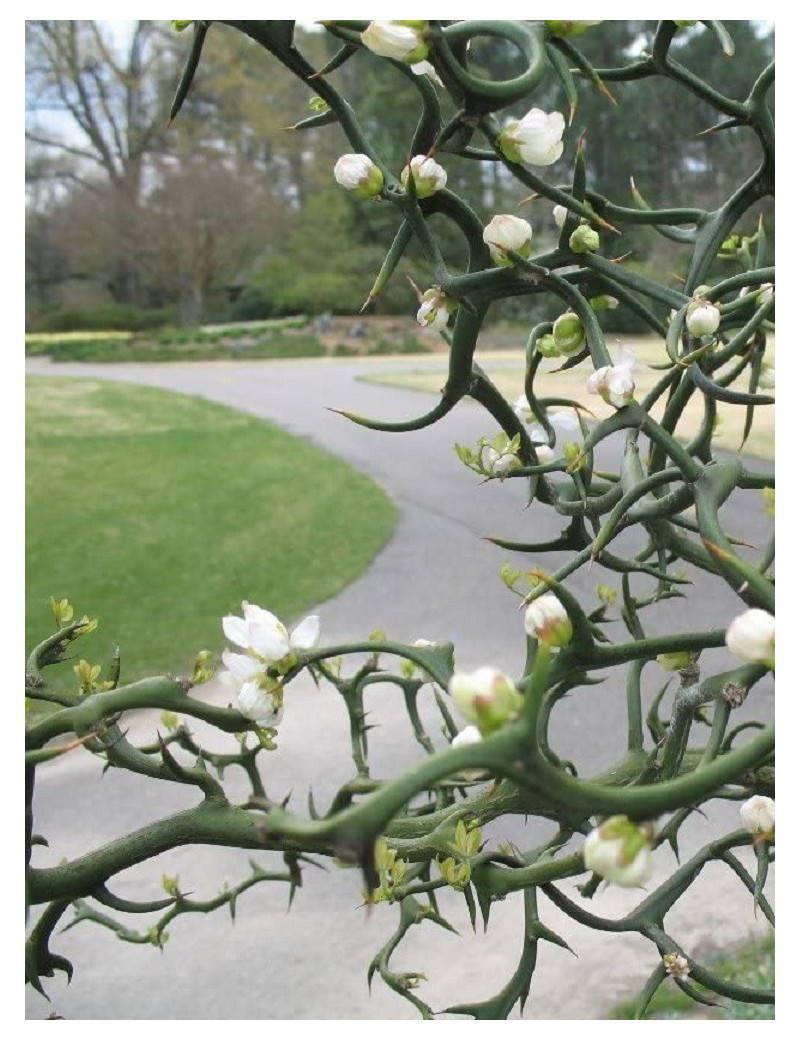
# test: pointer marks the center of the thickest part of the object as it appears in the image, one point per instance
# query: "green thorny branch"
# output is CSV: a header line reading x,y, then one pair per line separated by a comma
x,y
420,833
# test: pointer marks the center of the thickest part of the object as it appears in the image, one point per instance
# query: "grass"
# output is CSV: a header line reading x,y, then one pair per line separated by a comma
x,y
507,369
750,965
158,513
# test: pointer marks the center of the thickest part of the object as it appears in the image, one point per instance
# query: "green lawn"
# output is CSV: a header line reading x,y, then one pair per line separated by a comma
x,y
158,513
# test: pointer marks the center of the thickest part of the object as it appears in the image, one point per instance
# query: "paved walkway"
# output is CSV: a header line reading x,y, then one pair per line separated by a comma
x,y
435,579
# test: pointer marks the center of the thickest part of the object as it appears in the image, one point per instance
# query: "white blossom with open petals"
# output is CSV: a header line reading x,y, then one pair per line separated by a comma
x,y
535,139
264,706
264,637
614,383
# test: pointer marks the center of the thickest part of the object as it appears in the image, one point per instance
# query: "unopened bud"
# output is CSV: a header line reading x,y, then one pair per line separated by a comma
x,y
584,239
547,620
620,851
359,174
568,333
751,637
758,815
702,318
485,697
429,177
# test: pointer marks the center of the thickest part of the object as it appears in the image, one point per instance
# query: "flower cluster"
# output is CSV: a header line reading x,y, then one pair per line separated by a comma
x,y
255,677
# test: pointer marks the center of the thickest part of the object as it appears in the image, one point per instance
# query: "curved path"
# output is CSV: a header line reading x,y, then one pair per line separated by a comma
x,y
435,579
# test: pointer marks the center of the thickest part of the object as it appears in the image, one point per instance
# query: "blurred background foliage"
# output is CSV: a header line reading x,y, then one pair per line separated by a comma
x,y
228,216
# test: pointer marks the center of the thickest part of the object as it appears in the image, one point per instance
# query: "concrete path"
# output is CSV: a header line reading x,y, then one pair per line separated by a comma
x,y
435,579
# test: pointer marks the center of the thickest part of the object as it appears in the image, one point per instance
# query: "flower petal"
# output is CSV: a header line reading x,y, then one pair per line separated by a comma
x,y
241,666
306,634
236,630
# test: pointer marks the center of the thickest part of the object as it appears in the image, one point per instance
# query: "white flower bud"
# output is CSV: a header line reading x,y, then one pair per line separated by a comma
x,y
504,232
358,173
547,620
534,139
766,293
429,176
758,815
560,215
402,41
485,697
619,851
751,637
702,318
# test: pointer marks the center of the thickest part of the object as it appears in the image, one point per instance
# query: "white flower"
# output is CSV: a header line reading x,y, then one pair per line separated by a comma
x,y
751,637
402,41
619,851
429,176
435,309
758,815
258,696
468,735
504,232
534,139
560,215
702,318
766,292
485,697
265,637
499,463
358,173
547,620
263,706
615,382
